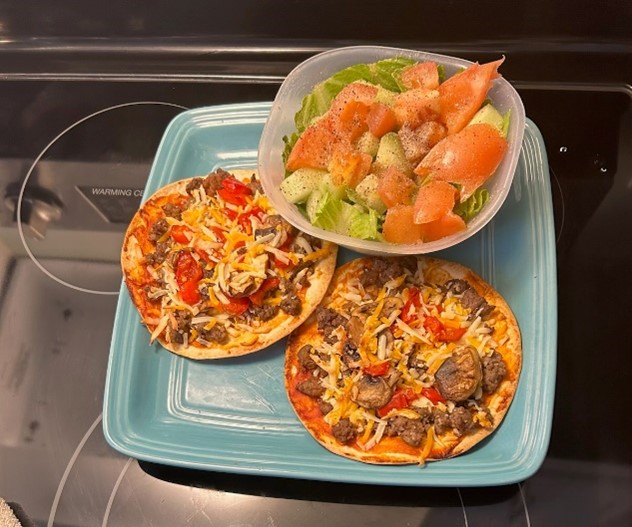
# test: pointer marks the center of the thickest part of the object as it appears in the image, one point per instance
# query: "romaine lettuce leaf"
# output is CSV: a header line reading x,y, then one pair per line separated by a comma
x,y
326,212
472,205
441,71
289,142
386,72
342,217
364,224
506,120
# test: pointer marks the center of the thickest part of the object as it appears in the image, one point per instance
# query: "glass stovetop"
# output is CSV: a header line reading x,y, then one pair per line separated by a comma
x,y
75,154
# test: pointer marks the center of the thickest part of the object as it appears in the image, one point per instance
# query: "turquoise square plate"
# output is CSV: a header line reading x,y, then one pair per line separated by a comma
x,y
232,415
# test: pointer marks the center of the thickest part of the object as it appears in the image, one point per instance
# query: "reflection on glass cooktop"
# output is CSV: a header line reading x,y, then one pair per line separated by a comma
x,y
74,169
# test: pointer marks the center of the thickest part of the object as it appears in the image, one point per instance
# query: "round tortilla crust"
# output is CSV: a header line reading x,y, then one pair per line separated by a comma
x,y
393,450
266,334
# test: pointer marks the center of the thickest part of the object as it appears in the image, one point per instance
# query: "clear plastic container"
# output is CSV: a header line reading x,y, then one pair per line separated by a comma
x,y
302,80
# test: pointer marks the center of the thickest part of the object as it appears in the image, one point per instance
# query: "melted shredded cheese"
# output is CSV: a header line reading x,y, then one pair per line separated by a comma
x,y
235,261
398,336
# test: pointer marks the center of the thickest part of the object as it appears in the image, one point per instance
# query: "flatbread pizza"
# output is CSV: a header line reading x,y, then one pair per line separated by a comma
x,y
406,360
215,272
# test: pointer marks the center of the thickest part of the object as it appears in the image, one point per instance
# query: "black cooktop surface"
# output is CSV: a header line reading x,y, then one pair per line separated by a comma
x,y
75,152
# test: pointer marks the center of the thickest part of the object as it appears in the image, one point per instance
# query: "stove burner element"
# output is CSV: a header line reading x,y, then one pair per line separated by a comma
x,y
83,189
39,208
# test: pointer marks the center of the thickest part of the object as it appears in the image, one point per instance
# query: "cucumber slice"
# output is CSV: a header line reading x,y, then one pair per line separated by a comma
x,y
390,152
311,207
489,115
367,190
298,186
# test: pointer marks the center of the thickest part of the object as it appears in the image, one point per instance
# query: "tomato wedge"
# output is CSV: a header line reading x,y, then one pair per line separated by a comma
x,y
467,158
421,75
348,168
356,91
313,148
417,106
445,226
352,120
395,188
320,141
399,226
462,95
380,119
434,200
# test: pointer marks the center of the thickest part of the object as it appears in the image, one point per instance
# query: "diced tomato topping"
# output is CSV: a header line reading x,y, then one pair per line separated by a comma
x,y
233,185
413,300
179,233
285,247
187,268
377,369
232,197
220,233
281,264
434,325
203,254
401,399
234,191
268,285
236,306
453,334
189,293
244,219
433,395
244,223
440,332
229,213
188,274
257,211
